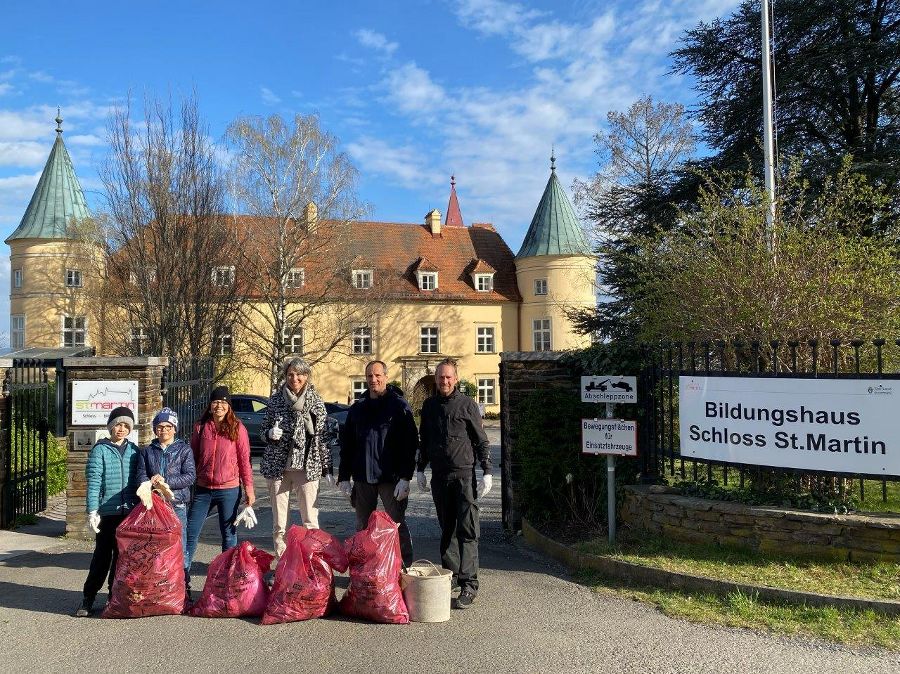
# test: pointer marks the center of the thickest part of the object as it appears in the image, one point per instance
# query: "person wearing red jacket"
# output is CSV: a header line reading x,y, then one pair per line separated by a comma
x,y
222,459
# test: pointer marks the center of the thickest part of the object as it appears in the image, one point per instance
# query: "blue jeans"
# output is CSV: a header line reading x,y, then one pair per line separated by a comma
x,y
226,502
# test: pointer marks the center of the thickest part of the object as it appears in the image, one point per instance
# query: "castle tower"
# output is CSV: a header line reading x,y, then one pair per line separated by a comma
x,y
555,272
53,271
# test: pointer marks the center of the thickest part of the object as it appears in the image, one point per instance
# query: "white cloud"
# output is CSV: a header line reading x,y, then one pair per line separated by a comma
x,y
16,126
268,96
23,153
412,90
405,164
5,88
375,40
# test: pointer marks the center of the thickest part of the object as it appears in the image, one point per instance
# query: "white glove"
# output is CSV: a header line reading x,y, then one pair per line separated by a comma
x,y
247,518
401,491
422,480
484,485
329,479
346,488
275,432
94,521
145,493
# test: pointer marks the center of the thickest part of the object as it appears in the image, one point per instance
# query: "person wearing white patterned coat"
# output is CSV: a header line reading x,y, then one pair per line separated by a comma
x,y
296,455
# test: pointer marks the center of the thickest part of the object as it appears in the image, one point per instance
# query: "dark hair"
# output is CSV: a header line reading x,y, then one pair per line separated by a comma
x,y
229,425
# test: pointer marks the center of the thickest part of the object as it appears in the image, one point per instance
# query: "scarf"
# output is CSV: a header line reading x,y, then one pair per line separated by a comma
x,y
303,428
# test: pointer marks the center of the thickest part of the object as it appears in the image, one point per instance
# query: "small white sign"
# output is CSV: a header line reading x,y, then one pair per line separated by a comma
x,y
92,401
606,388
840,425
609,436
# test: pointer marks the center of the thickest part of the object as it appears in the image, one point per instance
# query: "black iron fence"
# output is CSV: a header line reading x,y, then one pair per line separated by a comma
x,y
27,413
659,441
186,387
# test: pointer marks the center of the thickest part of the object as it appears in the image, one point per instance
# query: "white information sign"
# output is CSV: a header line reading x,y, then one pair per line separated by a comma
x,y
841,425
92,401
609,436
608,389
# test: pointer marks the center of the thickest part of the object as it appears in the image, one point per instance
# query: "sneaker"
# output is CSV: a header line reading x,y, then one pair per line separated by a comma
x,y
86,609
465,599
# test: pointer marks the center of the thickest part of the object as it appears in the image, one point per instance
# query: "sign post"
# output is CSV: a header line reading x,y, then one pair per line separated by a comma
x,y
609,436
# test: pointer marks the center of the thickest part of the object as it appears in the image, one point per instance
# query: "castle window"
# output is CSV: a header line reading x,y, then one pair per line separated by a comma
x,y
429,341
484,283
74,330
362,278
296,278
17,330
484,342
541,331
139,341
362,340
486,389
293,339
225,342
17,278
540,286
73,278
359,388
223,276
428,280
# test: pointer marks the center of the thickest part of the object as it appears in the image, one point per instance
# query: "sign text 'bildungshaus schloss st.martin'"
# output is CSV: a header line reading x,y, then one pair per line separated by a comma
x,y
840,425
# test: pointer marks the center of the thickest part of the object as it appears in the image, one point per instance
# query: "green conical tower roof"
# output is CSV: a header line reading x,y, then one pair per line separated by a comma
x,y
554,229
57,199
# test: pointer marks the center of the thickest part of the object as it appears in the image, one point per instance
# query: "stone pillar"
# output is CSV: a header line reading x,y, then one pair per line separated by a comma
x,y
147,371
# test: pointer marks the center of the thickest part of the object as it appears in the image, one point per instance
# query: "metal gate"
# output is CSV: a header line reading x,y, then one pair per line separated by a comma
x,y
27,393
186,385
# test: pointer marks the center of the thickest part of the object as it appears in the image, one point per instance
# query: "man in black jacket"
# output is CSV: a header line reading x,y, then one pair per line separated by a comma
x,y
378,450
453,438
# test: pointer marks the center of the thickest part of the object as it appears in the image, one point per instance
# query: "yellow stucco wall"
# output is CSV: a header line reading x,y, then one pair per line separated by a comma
x,y
570,283
43,297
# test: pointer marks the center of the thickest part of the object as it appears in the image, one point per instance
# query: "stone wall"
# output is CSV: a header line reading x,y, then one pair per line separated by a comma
x,y
761,528
522,373
147,371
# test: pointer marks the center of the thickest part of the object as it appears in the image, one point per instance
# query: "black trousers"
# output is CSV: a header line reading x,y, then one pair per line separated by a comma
x,y
457,512
365,500
106,554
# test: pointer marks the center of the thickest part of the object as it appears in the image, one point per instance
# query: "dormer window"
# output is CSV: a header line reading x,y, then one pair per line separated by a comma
x,y
484,283
296,278
362,278
223,276
428,280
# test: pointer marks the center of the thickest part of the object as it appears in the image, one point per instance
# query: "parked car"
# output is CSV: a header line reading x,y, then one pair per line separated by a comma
x,y
251,410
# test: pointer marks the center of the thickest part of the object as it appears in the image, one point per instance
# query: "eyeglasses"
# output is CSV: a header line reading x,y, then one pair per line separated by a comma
x,y
218,403
165,427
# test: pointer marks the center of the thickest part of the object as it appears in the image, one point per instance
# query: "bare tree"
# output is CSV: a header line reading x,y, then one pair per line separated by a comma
x,y
171,253
299,192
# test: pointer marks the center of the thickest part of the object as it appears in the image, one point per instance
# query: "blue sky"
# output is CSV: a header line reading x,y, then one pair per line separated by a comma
x,y
414,90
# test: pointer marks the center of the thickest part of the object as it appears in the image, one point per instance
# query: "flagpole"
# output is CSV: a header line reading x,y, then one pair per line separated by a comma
x,y
768,125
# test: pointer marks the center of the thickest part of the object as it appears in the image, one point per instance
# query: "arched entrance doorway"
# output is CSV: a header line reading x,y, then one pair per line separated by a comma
x,y
423,389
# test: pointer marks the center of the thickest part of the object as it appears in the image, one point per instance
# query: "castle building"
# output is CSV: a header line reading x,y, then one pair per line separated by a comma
x,y
447,288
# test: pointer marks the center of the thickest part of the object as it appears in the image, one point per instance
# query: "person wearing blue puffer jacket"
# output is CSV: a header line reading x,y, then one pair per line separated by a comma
x,y
170,460
111,473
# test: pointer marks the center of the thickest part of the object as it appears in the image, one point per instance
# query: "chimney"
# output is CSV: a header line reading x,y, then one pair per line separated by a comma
x,y
433,222
312,217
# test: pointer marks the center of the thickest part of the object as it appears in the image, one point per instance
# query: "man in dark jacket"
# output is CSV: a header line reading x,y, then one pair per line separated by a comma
x,y
453,438
378,450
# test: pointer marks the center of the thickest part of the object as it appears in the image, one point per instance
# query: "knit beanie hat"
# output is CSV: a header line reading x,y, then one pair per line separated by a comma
x,y
120,415
165,416
220,393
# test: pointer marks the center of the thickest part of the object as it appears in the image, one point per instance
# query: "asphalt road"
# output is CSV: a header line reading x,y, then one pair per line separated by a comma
x,y
529,617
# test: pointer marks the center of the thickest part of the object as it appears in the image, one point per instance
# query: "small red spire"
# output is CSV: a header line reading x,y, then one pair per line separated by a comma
x,y
454,217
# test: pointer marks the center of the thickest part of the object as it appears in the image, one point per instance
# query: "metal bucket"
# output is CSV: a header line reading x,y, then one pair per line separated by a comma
x,y
426,591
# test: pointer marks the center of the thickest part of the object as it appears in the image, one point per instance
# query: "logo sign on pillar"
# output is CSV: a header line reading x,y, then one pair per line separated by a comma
x,y
92,401
608,389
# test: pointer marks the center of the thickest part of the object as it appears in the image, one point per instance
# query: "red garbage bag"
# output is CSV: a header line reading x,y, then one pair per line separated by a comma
x,y
234,584
150,571
304,580
374,592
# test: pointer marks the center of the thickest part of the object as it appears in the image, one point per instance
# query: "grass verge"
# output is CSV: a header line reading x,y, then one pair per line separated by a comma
x,y
738,609
879,581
